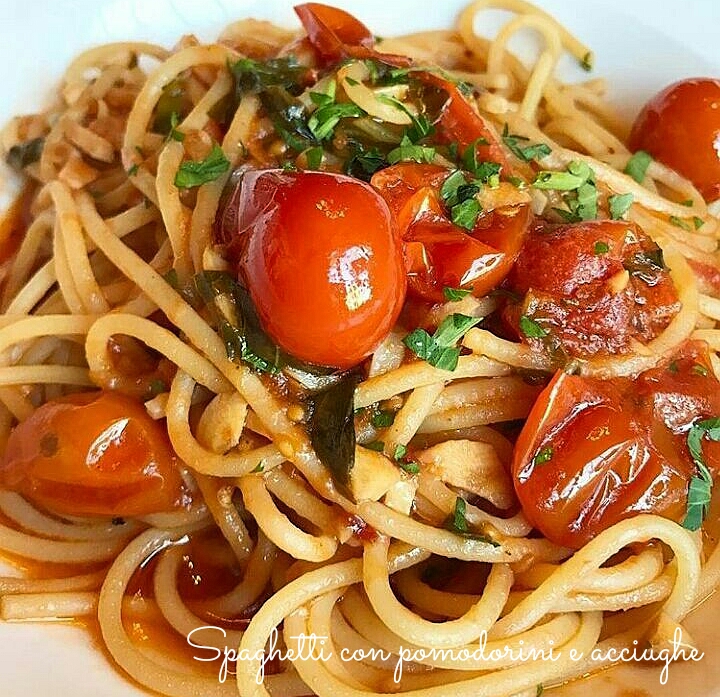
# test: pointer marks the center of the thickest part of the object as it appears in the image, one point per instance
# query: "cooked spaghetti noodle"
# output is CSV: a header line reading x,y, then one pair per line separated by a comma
x,y
112,246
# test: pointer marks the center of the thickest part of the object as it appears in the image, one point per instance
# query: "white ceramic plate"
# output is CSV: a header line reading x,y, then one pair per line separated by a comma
x,y
640,45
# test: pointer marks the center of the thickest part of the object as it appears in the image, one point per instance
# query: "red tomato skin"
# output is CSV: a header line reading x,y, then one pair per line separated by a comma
x,y
321,258
438,253
680,126
618,447
96,454
336,34
565,282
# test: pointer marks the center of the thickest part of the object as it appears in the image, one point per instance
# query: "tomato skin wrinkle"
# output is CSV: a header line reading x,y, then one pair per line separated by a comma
x,y
567,285
321,258
118,463
618,447
680,127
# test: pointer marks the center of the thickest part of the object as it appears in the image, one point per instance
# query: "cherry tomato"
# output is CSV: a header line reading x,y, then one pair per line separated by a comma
x,y
439,254
595,452
459,122
321,258
680,126
93,453
594,287
336,34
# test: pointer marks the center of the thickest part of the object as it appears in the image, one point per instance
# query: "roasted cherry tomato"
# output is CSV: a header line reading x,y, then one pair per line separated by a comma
x,y
439,254
594,452
96,454
458,122
592,287
321,258
336,34
680,126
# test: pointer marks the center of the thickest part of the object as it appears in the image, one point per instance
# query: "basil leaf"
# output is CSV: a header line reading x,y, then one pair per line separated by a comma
x,y
619,204
195,173
637,165
332,429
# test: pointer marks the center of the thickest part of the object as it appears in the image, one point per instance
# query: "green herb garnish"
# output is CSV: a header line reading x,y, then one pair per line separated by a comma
x,y
700,488
543,455
535,151
601,247
407,151
619,204
637,165
439,350
531,329
195,173
455,294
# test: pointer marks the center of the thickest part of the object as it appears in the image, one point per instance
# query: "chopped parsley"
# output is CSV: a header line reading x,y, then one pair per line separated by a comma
x,y
459,196
543,455
382,418
400,451
314,157
409,466
526,153
457,523
408,151
455,294
324,119
376,445
688,203
699,370
439,350
195,173
637,165
601,247
579,181
531,329
619,204
174,134
700,489
133,170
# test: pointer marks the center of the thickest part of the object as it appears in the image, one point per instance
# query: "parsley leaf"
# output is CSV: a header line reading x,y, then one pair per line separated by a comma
x,y
459,197
531,329
579,181
407,151
439,350
383,419
195,173
314,157
619,204
466,213
543,455
400,451
455,294
637,165
601,247
174,134
457,523
526,153
323,121
700,488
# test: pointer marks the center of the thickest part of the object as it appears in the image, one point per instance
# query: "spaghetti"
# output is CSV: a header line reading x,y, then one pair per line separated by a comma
x,y
432,549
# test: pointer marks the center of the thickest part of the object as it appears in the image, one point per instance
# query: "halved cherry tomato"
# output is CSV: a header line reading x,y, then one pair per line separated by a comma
x,y
322,259
336,34
594,286
680,126
438,253
459,122
93,453
594,452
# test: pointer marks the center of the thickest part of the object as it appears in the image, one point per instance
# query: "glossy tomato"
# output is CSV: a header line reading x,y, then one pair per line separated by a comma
x,y
321,258
594,452
680,126
94,453
336,34
439,254
593,287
